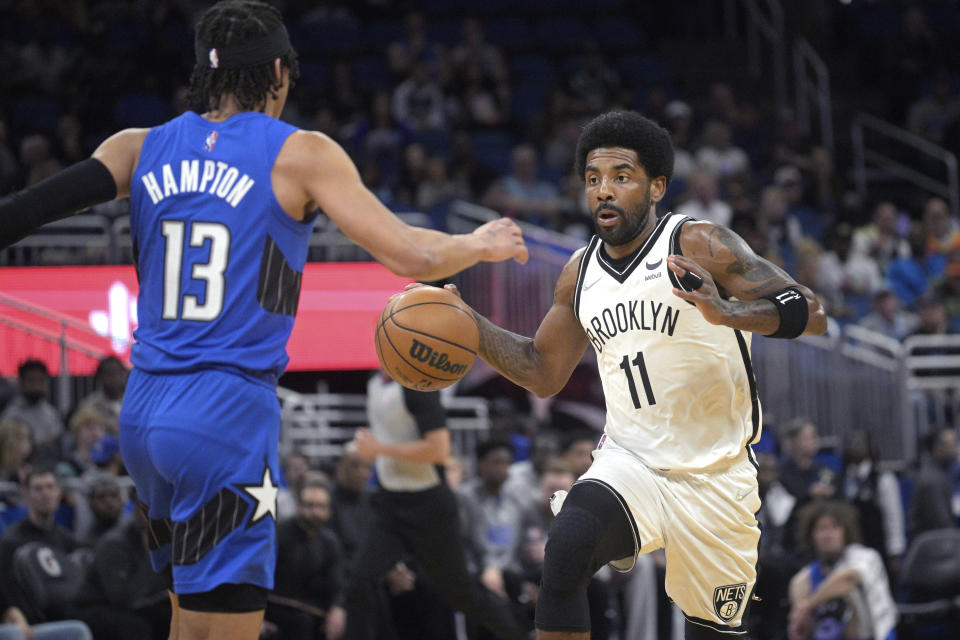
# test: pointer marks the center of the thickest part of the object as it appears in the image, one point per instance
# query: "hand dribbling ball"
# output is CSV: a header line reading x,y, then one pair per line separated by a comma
x,y
426,338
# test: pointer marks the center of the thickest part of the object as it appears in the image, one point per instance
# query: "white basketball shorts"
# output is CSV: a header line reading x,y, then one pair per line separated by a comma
x,y
705,522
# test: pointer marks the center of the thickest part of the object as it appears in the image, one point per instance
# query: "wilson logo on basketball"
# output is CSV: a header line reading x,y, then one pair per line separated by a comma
x,y
440,361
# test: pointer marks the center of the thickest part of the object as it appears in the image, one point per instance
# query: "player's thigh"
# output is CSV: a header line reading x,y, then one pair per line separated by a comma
x,y
712,545
215,441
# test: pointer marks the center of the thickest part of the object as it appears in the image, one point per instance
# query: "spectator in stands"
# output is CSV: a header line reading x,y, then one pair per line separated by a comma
x,y
844,592
352,513
474,49
947,287
415,48
704,203
105,501
111,381
412,173
295,469
437,187
87,427
718,155
381,139
594,85
9,167
576,448
16,450
14,626
418,101
42,494
776,555
492,515
127,599
521,194
33,409
525,476
888,317
481,102
310,568
679,122
880,240
932,319
931,504
782,232
932,114
465,167
827,191
36,159
940,230
876,496
790,180
804,477
910,276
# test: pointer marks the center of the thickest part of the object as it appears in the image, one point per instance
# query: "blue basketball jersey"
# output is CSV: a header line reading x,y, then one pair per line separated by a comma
x,y
219,261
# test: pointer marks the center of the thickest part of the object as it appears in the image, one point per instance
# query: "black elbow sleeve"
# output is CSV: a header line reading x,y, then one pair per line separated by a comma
x,y
77,187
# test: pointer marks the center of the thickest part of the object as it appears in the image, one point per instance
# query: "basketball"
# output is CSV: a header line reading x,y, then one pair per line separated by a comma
x,y
426,338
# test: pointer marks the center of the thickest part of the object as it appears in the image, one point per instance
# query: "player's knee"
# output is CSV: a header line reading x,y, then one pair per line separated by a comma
x,y
569,561
692,631
226,598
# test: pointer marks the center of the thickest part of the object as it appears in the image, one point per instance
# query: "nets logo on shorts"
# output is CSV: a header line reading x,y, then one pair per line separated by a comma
x,y
727,599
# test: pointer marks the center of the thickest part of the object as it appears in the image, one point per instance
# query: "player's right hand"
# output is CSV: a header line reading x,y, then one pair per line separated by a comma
x,y
502,240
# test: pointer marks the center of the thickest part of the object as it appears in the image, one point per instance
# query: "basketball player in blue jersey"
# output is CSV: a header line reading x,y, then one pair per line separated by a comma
x,y
674,468
221,209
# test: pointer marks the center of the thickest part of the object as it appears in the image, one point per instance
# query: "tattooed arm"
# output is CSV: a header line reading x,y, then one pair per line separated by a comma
x,y
541,364
720,256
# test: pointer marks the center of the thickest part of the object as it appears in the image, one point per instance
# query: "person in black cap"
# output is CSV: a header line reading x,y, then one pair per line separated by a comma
x,y
222,204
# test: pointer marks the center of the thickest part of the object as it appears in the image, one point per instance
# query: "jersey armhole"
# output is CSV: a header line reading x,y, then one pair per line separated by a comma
x,y
674,248
581,272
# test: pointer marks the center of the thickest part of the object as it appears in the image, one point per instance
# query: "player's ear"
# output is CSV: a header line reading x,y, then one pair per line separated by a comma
x,y
278,72
658,187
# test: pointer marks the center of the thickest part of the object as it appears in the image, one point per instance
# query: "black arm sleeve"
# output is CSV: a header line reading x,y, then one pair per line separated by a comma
x,y
77,187
426,409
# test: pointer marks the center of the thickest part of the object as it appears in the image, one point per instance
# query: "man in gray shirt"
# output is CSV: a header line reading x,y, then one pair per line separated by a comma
x,y
32,408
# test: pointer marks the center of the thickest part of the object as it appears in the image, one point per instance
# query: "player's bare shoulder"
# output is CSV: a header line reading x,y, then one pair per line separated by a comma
x,y
310,162
567,282
120,153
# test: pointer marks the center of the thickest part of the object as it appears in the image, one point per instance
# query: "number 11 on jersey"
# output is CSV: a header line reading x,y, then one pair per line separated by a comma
x,y
642,368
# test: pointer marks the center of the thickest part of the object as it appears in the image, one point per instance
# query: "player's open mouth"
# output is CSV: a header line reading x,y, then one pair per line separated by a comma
x,y
606,217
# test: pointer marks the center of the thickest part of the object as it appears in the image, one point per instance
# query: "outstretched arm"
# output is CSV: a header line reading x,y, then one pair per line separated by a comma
x,y
719,256
541,364
331,182
101,178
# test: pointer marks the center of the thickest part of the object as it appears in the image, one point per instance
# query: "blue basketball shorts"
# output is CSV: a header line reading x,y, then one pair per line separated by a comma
x,y
201,448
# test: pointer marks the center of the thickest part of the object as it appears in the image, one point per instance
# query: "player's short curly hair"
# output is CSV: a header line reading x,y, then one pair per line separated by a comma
x,y
630,130
229,23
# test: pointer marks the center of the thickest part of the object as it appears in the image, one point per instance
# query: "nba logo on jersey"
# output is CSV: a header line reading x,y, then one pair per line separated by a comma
x,y
727,599
210,141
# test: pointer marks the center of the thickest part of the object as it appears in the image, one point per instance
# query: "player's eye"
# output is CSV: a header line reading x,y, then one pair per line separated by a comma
x,y
623,177
592,179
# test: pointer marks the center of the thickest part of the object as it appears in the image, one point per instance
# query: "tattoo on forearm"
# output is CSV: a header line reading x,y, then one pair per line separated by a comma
x,y
757,316
507,352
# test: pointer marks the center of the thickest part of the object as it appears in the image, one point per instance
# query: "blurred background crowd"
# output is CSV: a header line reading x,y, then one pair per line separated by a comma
x,y
442,102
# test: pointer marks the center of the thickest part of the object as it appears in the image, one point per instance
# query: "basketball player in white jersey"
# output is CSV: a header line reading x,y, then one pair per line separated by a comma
x,y
674,468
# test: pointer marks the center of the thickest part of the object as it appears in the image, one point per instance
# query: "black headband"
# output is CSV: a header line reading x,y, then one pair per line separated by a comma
x,y
259,50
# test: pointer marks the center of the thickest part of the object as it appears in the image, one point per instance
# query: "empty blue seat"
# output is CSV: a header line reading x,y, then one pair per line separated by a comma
x,y
492,150
141,110
509,33
639,69
538,70
561,34
621,33
371,73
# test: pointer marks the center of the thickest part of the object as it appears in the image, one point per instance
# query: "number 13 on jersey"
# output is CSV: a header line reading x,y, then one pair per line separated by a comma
x,y
644,378
211,272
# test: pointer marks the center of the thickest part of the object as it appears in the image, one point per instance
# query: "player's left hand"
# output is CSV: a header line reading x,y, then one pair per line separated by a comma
x,y
367,445
706,297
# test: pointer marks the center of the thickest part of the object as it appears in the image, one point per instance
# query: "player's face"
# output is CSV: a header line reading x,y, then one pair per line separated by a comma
x,y
620,194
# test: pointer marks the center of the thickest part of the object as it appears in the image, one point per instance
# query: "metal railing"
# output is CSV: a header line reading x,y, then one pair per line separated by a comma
x,y
319,425
71,337
884,150
767,25
812,80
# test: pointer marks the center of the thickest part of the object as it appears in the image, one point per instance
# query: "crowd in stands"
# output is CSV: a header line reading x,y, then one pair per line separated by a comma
x,y
436,104
73,544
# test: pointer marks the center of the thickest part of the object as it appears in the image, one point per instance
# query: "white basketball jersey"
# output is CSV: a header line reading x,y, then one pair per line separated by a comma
x,y
680,391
